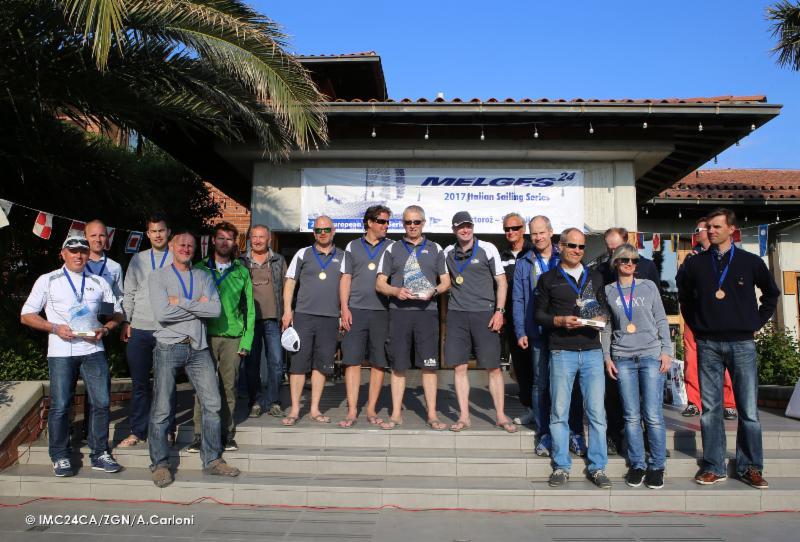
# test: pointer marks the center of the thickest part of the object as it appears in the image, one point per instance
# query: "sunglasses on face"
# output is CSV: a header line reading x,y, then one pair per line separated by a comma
x,y
320,231
574,246
410,222
512,228
698,230
627,261
381,221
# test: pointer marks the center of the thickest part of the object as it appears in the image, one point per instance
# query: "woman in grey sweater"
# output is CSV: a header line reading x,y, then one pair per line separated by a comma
x,y
638,353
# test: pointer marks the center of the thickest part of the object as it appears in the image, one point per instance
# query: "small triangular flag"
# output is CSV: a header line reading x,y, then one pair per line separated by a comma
x,y
77,228
737,236
242,242
109,238
133,242
763,234
43,227
204,245
5,208
675,239
656,242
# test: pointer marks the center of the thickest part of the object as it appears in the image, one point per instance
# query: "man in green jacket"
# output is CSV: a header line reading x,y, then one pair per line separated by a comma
x,y
231,334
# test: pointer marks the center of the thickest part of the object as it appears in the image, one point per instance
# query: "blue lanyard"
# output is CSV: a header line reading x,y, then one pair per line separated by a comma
x,y
187,295
570,281
627,308
411,250
319,260
213,268
460,268
721,278
103,268
153,259
74,290
372,253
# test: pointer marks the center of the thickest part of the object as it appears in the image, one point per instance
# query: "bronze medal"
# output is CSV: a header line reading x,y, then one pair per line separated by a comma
x,y
459,280
322,275
631,328
720,294
371,266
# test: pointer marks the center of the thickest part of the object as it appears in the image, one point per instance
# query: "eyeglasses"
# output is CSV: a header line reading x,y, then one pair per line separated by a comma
x,y
512,228
381,221
415,222
628,261
698,230
574,246
320,231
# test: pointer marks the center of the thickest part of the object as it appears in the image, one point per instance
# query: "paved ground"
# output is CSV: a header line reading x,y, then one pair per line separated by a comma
x,y
228,523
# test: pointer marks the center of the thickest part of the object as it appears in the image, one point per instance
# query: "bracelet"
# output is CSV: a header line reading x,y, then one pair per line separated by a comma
x,y
54,329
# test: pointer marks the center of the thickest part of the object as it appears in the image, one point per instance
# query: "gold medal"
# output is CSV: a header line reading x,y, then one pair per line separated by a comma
x,y
720,294
631,328
322,275
371,266
459,280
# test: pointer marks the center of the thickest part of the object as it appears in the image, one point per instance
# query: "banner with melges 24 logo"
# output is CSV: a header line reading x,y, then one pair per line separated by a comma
x,y
488,194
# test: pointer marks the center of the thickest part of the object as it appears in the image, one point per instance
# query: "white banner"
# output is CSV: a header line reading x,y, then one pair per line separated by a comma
x,y
488,194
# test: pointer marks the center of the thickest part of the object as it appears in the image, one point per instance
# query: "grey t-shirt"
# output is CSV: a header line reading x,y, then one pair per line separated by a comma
x,y
651,337
316,296
356,262
431,263
175,323
136,301
476,293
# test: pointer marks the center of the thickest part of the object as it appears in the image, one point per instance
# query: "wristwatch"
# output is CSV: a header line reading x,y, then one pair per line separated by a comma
x,y
501,310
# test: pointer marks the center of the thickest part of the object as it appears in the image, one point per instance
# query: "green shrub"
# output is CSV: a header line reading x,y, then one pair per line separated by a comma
x,y
778,356
22,359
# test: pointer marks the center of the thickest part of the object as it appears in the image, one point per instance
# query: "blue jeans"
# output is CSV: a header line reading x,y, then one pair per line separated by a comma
x,y
265,364
139,354
199,367
540,356
64,371
641,385
739,358
588,366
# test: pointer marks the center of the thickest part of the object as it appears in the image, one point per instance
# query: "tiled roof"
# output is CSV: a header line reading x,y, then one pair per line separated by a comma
x,y
709,100
737,184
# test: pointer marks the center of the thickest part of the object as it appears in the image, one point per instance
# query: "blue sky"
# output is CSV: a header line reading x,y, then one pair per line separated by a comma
x,y
556,49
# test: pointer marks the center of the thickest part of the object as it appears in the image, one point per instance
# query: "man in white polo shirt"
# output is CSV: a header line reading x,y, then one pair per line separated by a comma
x,y
99,264
71,299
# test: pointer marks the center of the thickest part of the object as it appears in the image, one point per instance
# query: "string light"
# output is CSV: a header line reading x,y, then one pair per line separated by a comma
x,y
535,132
647,210
591,128
745,218
644,125
752,127
680,215
700,127
737,143
427,133
777,217
715,159
373,132
483,137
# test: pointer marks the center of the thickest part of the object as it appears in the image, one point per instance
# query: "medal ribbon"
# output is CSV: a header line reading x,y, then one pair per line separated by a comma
x,y
460,268
71,285
213,268
187,295
627,308
153,259
319,260
570,280
419,248
372,253
714,265
102,268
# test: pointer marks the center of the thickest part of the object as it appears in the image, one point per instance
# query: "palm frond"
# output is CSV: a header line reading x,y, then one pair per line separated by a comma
x,y
785,17
101,21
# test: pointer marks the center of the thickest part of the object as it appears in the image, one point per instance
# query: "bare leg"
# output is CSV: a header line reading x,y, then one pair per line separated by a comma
x,y
461,379
296,383
352,381
317,385
375,386
497,390
429,389
398,390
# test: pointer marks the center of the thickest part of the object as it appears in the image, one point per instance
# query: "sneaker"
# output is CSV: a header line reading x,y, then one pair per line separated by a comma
x,y
196,444
106,463
753,478
544,446
276,411
230,445
730,414
705,478
255,411
577,445
611,446
690,410
525,419
654,479
162,477
600,479
220,468
558,478
63,468
634,477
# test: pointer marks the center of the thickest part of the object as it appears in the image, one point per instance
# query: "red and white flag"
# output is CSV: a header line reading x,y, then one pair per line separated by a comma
x,y
737,236
656,242
43,226
204,245
110,238
133,242
77,228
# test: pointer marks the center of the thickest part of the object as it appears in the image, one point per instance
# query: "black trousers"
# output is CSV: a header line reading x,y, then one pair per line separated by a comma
x,y
523,366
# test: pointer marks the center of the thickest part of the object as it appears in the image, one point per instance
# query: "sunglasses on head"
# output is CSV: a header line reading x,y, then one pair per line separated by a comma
x,y
574,246
512,228
322,230
409,222
381,221
626,261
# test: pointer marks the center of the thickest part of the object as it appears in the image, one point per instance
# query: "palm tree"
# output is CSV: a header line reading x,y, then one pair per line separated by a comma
x,y
785,18
205,67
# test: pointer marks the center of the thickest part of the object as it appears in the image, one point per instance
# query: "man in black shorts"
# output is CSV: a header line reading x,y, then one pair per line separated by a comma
x,y
475,316
365,313
316,316
413,315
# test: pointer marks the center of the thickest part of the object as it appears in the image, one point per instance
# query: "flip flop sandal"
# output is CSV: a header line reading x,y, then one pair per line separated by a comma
x,y
289,421
347,423
508,427
319,418
436,425
390,425
130,440
374,420
460,426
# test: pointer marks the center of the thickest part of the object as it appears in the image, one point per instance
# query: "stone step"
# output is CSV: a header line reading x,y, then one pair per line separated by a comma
x,y
378,461
416,492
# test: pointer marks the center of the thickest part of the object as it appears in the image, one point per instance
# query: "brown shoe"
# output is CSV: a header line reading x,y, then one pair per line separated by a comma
x,y
705,478
220,468
162,477
753,478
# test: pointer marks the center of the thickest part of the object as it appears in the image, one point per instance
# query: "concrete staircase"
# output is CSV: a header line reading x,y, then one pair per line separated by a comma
x,y
315,464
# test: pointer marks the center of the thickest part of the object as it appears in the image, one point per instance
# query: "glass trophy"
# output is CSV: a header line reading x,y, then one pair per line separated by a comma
x,y
82,321
590,312
415,280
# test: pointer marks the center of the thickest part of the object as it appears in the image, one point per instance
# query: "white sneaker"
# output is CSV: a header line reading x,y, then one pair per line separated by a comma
x,y
525,419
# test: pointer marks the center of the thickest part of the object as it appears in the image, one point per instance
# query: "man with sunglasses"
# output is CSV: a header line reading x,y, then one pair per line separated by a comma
x,y
413,316
316,316
365,313
563,294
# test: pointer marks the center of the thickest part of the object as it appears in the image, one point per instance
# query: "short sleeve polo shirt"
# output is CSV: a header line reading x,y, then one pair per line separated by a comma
x,y
316,295
108,270
431,262
358,255
478,267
